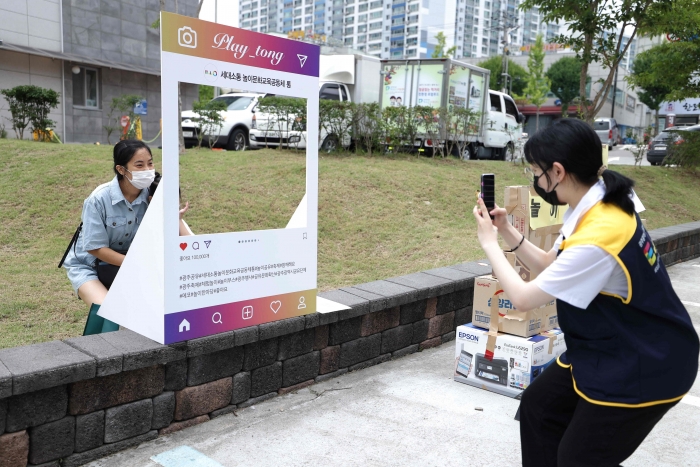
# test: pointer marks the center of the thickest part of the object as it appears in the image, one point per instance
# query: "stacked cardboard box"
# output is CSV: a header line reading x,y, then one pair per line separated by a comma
x,y
503,348
512,366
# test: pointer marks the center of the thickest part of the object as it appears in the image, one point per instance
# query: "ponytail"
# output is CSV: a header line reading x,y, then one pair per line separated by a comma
x,y
618,190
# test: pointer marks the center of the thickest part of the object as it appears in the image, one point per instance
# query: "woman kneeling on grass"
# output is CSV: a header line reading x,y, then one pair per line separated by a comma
x,y
632,351
111,217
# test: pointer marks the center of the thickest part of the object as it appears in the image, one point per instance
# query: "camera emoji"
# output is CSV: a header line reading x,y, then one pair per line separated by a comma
x,y
247,312
187,37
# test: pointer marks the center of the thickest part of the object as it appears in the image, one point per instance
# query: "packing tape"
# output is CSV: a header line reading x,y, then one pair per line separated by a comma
x,y
493,327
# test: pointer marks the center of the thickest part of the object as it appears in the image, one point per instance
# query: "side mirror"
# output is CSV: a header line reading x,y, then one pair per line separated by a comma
x,y
521,118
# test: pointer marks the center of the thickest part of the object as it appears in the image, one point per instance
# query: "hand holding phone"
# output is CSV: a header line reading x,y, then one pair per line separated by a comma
x,y
488,191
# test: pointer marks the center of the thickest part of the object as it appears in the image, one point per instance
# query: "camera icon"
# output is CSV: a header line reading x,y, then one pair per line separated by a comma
x,y
187,37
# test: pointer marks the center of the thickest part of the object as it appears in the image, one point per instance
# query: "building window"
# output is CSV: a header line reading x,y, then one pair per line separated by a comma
x,y
86,89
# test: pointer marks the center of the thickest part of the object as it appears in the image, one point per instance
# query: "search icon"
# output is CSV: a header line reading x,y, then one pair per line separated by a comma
x,y
215,319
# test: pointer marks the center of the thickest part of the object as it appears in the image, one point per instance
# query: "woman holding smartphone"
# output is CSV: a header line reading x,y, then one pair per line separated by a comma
x,y
632,350
111,217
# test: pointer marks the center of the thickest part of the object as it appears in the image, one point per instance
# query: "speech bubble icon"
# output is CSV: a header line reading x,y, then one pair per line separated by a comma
x,y
275,306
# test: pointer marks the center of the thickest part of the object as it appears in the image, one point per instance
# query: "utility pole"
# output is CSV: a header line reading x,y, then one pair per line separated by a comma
x,y
507,24
612,112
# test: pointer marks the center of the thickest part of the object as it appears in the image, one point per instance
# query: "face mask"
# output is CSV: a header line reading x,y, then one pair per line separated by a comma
x,y
548,196
142,178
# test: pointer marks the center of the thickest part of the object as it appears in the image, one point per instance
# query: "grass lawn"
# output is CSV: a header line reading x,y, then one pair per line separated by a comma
x,y
379,216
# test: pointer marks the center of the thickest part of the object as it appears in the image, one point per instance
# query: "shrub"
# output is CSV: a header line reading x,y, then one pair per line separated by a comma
x,y
209,119
30,104
685,152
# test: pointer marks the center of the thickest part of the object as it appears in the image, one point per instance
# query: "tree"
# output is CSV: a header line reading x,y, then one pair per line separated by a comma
x,y
518,74
564,81
30,104
596,29
651,92
439,51
538,84
209,117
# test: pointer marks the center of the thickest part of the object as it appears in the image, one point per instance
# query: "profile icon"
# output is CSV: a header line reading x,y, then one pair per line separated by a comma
x,y
302,303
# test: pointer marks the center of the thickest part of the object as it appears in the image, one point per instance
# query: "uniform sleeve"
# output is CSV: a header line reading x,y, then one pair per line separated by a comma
x,y
94,230
578,275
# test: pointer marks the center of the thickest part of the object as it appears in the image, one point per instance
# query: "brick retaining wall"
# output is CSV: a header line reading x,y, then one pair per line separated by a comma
x,y
66,403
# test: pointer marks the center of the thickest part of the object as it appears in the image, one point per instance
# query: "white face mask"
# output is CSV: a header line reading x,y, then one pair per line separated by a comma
x,y
142,178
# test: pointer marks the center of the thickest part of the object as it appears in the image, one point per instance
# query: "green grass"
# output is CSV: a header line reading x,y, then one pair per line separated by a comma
x,y
379,216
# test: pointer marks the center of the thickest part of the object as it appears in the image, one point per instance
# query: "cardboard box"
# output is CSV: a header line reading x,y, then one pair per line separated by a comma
x,y
510,320
516,360
540,222
522,270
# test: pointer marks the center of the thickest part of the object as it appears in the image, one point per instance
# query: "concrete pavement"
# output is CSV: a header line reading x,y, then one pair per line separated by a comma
x,y
401,413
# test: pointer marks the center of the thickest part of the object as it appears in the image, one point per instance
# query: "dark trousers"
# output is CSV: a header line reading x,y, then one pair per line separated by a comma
x,y
560,429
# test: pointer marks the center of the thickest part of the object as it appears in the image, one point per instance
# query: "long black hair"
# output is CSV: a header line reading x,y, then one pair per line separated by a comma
x,y
124,151
577,147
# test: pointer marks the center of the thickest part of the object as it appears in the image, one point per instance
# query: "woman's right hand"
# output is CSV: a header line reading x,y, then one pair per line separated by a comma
x,y
500,217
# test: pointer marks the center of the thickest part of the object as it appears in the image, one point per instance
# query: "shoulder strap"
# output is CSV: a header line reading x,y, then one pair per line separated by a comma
x,y
72,243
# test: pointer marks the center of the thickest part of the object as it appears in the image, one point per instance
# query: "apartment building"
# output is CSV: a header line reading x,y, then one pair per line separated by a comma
x,y
400,28
89,52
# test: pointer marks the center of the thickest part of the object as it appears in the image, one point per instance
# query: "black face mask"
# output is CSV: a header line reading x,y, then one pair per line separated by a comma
x,y
548,196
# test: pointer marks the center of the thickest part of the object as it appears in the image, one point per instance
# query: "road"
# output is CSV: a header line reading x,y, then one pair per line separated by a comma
x,y
621,156
404,412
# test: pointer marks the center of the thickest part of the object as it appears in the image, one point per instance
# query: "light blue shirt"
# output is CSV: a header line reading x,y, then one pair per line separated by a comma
x,y
109,220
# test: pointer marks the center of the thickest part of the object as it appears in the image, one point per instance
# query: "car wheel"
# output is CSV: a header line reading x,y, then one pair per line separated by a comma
x,y
237,141
329,144
610,147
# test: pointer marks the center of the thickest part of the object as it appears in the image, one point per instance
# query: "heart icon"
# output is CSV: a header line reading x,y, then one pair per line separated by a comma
x,y
275,306
183,246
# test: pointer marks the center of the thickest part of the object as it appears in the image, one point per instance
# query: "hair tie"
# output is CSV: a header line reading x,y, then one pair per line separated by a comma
x,y
602,169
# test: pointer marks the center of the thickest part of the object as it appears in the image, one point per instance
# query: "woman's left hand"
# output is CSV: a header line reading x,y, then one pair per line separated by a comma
x,y
485,229
184,210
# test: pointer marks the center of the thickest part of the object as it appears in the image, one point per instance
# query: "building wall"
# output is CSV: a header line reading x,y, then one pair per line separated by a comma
x,y
17,69
633,118
31,23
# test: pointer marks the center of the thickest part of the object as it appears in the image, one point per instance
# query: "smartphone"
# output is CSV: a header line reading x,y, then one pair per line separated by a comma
x,y
488,191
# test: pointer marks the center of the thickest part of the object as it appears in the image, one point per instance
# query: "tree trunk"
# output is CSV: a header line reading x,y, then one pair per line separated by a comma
x,y
656,122
537,120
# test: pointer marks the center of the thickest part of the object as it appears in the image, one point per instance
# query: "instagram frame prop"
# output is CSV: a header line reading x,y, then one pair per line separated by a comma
x,y
173,288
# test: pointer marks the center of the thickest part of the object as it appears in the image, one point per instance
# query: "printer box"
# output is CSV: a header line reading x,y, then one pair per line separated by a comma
x,y
537,220
510,320
516,360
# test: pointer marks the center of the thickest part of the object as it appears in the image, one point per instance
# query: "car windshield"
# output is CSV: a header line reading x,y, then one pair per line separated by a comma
x,y
235,102
601,125
663,136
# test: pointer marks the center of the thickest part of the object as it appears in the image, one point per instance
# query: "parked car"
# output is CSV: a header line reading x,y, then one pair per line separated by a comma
x,y
658,147
607,130
266,131
238,116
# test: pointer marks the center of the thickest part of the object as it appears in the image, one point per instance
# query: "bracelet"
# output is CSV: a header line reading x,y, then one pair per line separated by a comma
x,y
521,242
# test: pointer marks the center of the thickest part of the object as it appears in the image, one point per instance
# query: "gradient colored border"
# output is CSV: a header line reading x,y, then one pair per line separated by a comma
x,y
172,26
201,320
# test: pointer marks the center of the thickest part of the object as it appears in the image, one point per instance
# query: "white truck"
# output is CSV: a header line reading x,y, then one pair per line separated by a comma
x,y
448,83
435,83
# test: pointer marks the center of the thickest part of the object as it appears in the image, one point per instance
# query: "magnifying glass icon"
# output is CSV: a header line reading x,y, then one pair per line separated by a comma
x,y
216,318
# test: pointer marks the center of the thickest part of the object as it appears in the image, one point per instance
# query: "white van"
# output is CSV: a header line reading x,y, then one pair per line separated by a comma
x,y
607,131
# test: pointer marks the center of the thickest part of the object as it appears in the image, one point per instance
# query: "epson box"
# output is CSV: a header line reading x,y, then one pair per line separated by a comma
x,y
516,360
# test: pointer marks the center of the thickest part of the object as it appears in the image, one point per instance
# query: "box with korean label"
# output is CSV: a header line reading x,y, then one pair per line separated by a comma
x,y
539,221
516,360
510,320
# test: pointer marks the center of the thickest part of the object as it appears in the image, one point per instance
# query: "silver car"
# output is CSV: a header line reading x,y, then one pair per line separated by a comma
x,y
607,131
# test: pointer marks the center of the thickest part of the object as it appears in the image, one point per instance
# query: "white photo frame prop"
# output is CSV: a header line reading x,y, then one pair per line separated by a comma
x,y
173,288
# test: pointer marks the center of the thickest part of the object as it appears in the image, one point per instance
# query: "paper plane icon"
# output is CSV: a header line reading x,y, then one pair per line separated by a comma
x,y
207,243
302,59
184,326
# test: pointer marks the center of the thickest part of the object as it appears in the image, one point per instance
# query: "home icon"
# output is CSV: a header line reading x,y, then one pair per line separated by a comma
x,y
184,326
